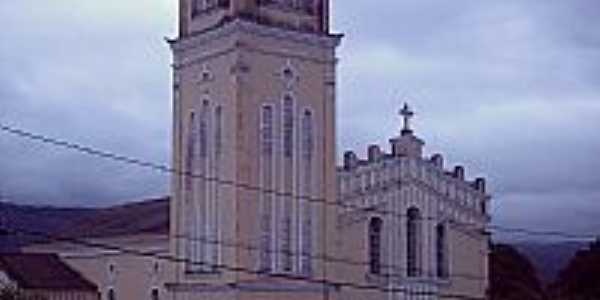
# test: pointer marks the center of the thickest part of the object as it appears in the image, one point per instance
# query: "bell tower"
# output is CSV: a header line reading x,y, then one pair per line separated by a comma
x,y
254,144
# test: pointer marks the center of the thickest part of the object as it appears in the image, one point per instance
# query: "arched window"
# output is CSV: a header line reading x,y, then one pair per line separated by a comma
x,y
203,257
218,131
111,294
307,135
441,251
413,242
307,185
155,295
203,129
289,182
266,129
266,203
190,153
288,126
215,213
375,227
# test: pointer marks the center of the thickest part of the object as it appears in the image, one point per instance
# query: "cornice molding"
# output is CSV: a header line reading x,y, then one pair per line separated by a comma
x,y
237,26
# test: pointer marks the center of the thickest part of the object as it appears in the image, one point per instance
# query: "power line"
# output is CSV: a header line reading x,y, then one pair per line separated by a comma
x,y
170,258
162,168
324,257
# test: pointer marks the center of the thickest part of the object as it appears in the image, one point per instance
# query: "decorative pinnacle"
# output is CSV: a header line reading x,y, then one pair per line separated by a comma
x,y
406,114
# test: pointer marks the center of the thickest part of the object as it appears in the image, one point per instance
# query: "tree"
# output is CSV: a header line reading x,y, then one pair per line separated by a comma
x,y
512,276
580,280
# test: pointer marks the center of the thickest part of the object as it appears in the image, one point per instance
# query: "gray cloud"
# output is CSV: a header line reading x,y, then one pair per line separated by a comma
x,y
94,74
510,89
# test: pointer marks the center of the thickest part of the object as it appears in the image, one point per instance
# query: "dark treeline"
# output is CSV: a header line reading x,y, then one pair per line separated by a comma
x,y
513,276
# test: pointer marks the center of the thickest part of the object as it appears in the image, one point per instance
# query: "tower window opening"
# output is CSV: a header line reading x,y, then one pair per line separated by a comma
x,y
413,242
375,227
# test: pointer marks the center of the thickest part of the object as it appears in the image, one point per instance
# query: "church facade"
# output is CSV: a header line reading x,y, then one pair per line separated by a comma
x,y
260,203
259,208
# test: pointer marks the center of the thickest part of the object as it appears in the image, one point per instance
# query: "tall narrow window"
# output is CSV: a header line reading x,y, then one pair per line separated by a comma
x,y
288,182
201,201
111,294
203,134
267,131
307,135
155,295
204,198
413,242
266,203
441,251
375,227
190,201
306,212
189,156
216,212
218,131
288,126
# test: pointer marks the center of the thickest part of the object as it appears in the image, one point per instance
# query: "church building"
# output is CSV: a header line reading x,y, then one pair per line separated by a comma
x,y
417,229
259,209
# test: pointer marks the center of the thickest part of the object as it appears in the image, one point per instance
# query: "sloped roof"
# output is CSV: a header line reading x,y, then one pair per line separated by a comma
x,y
43,271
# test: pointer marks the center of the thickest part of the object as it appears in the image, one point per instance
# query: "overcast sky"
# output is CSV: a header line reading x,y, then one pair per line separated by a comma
x,y
510,89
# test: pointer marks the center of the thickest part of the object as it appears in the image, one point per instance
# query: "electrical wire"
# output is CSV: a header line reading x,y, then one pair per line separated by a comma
x,y
163,168
141,163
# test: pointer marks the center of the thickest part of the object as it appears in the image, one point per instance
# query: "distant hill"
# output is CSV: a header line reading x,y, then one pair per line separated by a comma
x,y
146,216
550,258
33,218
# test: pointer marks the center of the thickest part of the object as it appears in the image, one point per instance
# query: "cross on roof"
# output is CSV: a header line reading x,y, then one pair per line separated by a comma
x,y
406,114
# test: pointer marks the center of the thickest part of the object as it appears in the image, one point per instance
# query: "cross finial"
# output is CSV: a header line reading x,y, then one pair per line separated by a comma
x,y
406,114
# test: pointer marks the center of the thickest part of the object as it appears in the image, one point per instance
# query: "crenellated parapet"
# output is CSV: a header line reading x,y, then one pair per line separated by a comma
x,y
405,167
368,180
